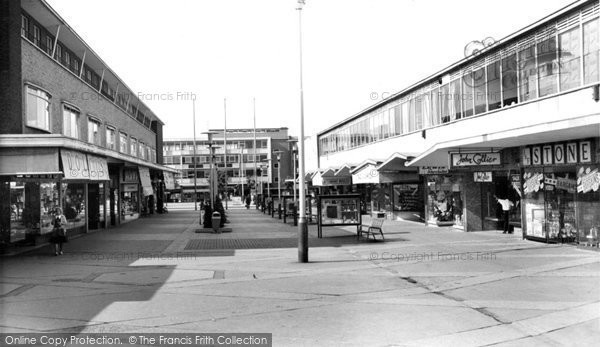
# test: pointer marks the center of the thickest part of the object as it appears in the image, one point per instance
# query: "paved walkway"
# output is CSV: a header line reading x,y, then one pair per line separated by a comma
x,y
423,286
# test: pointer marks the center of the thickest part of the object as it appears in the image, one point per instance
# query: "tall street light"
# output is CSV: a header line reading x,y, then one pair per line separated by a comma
x,y
278,154
294,148
212,177
302,226
242,171
195,165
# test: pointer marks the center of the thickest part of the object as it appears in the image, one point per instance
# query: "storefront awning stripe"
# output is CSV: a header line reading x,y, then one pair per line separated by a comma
x,y
39,161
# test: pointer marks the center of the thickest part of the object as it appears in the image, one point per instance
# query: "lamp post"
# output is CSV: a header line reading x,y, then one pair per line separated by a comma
x,y
242,172
278,154
195,165
211,177
302,226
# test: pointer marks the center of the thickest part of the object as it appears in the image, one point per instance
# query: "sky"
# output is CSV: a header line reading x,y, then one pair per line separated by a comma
x,y
355,53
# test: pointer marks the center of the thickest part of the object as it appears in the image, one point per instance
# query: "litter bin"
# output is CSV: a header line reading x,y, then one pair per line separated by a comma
x,y
216,221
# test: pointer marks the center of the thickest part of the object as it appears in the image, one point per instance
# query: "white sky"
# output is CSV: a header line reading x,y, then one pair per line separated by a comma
x,y
240,49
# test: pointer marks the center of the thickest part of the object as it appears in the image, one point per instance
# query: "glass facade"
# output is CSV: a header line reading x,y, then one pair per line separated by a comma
x,y
73,195
539,65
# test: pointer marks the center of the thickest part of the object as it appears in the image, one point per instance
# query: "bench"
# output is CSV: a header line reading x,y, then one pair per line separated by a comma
x,y
374,227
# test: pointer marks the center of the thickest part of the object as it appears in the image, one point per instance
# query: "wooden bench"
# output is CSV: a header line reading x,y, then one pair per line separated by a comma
x,y
374,227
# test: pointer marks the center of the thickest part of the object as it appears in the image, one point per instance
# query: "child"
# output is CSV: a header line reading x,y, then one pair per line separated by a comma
x,y
59,233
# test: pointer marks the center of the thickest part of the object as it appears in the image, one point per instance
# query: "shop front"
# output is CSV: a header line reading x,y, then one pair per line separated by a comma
x,y
561,199
130,195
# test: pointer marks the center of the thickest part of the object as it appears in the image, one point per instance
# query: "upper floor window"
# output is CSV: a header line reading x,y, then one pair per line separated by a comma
x,y
67,60
58,53
591,52
122,142
37,35
110,138
49,44
70,122
133,146
24,26
142,150
94,131
37,108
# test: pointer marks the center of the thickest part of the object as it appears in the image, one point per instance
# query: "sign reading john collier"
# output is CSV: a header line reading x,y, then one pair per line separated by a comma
x,y
475,159
75,165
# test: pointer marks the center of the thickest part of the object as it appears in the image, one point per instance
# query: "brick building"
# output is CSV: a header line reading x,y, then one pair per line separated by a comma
x,y
72,135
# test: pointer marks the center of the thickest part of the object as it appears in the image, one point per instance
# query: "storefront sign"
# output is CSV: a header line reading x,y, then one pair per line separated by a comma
x,y
368,174
475,159
145,179
169,181
562,153
566,184
75,165
533,182
482,176
337,181
588,180
98,168
130,187
130,175
433,170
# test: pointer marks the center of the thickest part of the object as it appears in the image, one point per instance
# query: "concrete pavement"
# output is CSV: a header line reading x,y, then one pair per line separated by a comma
x,y
423,286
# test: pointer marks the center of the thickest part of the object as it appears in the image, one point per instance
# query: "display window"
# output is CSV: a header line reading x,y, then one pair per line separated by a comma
x,y
49,201
445,200
588,204
549,200
74,205
130,206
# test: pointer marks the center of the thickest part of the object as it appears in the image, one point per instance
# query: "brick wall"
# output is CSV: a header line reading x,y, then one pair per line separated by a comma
x,y
10,67
41,70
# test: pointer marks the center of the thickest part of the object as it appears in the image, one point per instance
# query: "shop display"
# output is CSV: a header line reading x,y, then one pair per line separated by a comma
x,y
338,210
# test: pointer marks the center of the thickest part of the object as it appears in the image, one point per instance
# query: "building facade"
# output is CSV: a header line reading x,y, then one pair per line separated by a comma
x,y
519,120
237,168
73,135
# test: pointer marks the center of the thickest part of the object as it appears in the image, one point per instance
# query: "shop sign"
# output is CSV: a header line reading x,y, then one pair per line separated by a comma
x,y
98,168
533,182
482,176
337,181
566,184
475,159
131,187
130,175
169,182
75,165
588,180
433,170
562,153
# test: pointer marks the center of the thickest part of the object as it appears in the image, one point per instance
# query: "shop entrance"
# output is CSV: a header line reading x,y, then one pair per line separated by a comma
x,y
96,206
504,185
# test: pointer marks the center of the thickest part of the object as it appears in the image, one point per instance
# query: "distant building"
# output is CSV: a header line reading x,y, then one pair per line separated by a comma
x,y
72,135
238,167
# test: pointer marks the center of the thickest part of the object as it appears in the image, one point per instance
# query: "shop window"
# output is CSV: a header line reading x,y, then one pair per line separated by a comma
x,y
70,122
129,205
37,108
455,105
445,200
570,62
25,211
74,206
49,201
588,205
591,52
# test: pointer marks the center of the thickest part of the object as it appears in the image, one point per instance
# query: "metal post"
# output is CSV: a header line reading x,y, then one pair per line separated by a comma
x,y
195,166
254,145
225,148
302,226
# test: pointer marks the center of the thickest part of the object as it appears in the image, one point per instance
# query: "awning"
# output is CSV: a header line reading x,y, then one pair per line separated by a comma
x,y
145,179
98,168
392,170
328,178
81,166
29,161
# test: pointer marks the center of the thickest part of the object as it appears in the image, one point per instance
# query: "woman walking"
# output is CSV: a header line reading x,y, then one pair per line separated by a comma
x,y
59,233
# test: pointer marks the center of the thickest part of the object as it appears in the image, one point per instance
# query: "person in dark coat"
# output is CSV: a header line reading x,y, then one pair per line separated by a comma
x,y
59,233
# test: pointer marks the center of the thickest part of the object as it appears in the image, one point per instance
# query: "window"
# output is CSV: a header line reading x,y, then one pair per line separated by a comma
x,y
569,59
70,122
547,62
38,108
142,150
93,131
455,110
435,107
479,92
67,60
58,53
133,146
527,74
75,66
467,94
509,80
49,44
444,103
24,26
110,139
36,35
493,86
591,50
122,142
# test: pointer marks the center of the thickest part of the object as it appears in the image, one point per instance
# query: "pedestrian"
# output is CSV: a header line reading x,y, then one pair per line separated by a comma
x,y
248,200
507,205
59,233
